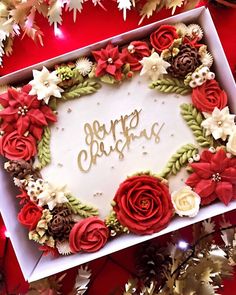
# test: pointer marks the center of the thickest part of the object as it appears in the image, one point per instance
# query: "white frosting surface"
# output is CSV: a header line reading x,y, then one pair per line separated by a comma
x,y
99,184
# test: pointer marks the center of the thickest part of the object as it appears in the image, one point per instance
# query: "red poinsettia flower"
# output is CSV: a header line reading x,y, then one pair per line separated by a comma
x,y
214,177
108,61
23,196
24,112
193,42
49,251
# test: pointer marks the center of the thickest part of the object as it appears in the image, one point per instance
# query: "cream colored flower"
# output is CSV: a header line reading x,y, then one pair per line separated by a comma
x,y
84,66
39,234
231,144
181,29
52,196
154,66
44,84
186,202
194,31
220,123
63,247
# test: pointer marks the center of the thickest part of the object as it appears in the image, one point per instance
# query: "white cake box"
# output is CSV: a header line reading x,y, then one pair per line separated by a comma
x,y
35,266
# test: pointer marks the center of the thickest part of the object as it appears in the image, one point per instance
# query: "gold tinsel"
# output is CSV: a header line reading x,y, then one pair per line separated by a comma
x,y
18,17
210,264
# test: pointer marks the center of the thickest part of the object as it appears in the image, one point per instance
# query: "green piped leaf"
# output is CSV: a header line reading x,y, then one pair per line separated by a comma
x,y
194,119
171,85
44,154
108,79
77,207
179,160
81,89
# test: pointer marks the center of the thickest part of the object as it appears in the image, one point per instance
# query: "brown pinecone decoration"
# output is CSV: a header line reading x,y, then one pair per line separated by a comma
x,y
152,264
185,62
20,169
61,224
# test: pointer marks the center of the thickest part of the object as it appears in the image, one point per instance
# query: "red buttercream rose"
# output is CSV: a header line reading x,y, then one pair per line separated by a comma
x,y
214,177
16,147
88,235
163,37
208,96
30,215
135,52
143,204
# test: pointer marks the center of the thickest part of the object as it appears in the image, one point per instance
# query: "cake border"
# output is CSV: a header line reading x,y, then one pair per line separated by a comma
x,y
38,270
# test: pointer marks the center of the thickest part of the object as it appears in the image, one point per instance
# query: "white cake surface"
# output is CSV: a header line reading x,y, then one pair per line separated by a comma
x,y
98,185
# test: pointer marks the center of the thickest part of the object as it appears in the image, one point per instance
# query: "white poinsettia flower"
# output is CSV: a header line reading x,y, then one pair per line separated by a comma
x,y
231,144
52,195
44,85
154,66
84,66
219,124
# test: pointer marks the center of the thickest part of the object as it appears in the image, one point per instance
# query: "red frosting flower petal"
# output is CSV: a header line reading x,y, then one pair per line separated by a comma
x,y
108,61
143,204
208,96
163,37
88,235
224,192
214,177
30,215
139,49
16,147
24,112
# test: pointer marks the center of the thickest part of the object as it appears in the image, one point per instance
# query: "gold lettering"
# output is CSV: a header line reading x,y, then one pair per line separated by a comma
x,y
96,133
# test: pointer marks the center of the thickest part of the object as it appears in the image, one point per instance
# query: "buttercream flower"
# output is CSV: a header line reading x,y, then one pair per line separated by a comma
x,y
84,66
23,112
186,202
163,37
16,147
30,215
143,204
214,177
108,62
45,84
220,123
154,66
23,196
231,144
35,187
88,235
134,53
52,195
209,96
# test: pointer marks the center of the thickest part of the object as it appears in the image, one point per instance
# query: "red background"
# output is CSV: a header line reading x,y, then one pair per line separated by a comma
x,y
95,24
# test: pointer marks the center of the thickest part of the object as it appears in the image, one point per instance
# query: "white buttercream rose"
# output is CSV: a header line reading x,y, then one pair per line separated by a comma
x,y
231,144
186,202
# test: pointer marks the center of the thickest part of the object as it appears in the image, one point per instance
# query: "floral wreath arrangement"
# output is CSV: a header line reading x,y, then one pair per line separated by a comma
x,y
177,62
